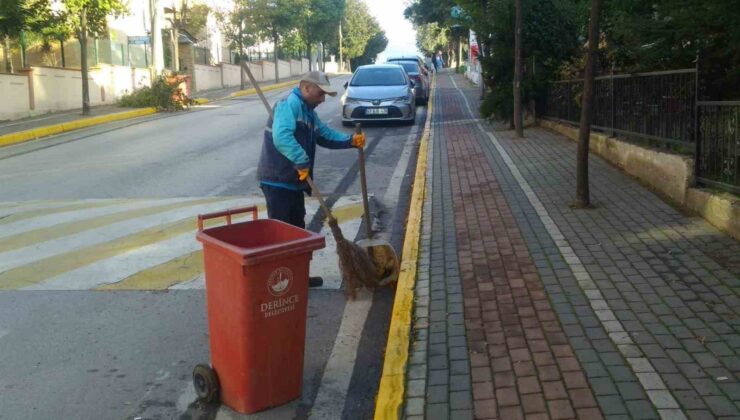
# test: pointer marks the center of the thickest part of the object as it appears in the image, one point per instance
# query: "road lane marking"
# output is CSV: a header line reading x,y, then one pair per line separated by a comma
x,y
24,246
14,211
134,254
337,375
68,253
78,214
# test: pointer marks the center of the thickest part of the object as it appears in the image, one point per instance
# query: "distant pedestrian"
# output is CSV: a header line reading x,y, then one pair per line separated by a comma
x,y
429,62
289,149
439,62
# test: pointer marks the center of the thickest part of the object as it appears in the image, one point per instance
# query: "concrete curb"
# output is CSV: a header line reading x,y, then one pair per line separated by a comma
x,y
36,133
391,392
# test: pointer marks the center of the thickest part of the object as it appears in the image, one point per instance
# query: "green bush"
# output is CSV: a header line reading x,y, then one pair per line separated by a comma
x,y
462,69
159,95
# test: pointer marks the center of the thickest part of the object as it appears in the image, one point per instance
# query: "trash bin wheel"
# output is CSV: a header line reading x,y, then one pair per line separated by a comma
x,y
205,382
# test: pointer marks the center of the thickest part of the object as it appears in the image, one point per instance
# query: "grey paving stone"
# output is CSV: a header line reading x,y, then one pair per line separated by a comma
x,y
631,391
460,382
705,387
437,394
438,377
721,406
414,407
458,353
611,405
612,359
603,386
416,387
689,400
594,370
620,373
461,400
700,415
462,414
460,367
664,365
641,409
438,411
417,371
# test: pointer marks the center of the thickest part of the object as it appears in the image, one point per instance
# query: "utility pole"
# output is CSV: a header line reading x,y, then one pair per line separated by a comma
x,y
584,133
518,122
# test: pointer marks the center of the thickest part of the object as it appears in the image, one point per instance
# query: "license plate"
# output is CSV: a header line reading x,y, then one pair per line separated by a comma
x,y
376,111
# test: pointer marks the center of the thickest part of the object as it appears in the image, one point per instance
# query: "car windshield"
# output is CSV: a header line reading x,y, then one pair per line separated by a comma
x,y
378,77
409,66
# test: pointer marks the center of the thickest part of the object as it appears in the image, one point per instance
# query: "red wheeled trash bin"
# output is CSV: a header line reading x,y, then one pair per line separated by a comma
x,y
256,293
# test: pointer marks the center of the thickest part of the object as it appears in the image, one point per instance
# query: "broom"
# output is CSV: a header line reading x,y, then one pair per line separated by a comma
x,y
355,265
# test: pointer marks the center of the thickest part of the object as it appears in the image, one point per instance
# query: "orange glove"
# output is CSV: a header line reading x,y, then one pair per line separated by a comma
x,y
302,174
358,140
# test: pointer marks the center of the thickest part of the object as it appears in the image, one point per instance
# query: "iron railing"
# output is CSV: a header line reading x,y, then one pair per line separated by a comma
x,y
663,109
718,145
656,106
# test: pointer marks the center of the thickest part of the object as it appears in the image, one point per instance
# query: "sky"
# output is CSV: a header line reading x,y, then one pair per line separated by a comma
x,y
401,35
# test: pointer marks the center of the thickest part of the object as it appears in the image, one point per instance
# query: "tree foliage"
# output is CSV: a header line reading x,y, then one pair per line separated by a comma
x,y
375,46
358,28
668,34
196,19
430,37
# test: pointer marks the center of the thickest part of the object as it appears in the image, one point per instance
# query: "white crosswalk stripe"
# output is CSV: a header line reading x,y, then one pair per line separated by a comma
x,y
138,244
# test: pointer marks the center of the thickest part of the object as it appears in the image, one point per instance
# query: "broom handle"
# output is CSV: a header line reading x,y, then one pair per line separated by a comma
x,y
254,83
363,183
321,199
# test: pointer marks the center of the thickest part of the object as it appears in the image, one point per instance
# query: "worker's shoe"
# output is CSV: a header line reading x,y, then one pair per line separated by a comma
x,y
315,281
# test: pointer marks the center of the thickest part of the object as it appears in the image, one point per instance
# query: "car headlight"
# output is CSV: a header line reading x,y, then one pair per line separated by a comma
x,y
348,101
403,99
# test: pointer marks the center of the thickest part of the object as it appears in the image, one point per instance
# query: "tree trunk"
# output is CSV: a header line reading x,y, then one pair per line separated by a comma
x,y
584,133
277,67
8,58
518,121
83,63
341,62
61,50
310,61
176,49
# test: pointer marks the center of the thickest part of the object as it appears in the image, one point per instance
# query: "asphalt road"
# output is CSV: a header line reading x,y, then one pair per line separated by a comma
x,y
75,352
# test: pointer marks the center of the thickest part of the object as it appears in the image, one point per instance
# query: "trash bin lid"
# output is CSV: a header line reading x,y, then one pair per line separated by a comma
x,y
257,241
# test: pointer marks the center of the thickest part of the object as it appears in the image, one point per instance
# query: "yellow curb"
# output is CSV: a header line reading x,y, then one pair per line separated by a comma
x,y
392,389
253,91
201,101
36,133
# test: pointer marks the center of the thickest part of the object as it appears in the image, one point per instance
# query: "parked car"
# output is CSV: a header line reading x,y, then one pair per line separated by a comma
x,y
421,80
416,58
379,92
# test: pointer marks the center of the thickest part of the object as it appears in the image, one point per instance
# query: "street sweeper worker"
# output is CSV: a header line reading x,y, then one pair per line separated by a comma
x,y
289,150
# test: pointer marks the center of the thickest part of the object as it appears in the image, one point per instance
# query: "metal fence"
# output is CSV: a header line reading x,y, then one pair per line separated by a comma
x,y
657,106
718,145
662,109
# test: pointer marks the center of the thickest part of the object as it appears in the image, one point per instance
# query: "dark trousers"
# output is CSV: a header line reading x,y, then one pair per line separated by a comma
x,y
285,205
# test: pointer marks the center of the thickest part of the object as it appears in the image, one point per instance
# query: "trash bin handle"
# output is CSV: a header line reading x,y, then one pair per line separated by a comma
x,y
227,214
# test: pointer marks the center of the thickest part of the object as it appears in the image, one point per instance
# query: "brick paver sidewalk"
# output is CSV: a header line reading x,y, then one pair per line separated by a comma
x,y
526,308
